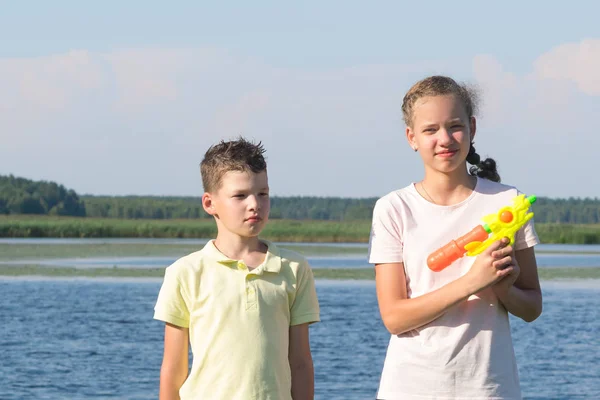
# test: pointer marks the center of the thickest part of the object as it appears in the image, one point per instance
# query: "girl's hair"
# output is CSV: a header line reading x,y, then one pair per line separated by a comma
x,y
442,86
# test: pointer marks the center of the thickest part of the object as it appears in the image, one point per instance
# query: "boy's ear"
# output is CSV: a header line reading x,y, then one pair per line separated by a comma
x,y
207,204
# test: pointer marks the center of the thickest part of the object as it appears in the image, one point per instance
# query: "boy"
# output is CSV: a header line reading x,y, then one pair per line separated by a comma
x,y
242,303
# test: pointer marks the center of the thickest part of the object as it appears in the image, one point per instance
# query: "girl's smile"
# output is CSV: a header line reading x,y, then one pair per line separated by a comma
x,y
446,153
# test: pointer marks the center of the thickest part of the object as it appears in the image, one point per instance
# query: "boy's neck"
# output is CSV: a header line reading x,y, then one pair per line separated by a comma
x,y
251,250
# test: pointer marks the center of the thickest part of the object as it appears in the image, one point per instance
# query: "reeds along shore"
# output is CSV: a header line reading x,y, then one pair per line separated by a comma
x,y
567,273
277,230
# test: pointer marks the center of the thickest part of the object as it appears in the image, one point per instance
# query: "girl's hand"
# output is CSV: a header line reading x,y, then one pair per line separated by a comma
x,y
502,287
494,264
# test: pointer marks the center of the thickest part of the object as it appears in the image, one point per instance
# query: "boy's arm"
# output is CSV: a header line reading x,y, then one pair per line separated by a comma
x,y
174,369
301,364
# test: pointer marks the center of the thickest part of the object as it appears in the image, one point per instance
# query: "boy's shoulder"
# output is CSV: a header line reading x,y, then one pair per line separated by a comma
x,y
285,254
290,255
290,261
191,264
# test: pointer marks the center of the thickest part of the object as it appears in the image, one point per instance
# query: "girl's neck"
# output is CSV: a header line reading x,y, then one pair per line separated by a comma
x,y
446,189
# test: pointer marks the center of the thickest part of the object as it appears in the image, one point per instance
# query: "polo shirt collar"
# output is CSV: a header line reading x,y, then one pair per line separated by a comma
x,y
272,262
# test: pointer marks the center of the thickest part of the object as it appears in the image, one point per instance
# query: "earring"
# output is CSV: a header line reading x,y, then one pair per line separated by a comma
x,y
415,149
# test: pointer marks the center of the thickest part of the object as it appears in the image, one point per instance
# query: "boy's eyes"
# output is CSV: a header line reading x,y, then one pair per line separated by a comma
x,y
241,196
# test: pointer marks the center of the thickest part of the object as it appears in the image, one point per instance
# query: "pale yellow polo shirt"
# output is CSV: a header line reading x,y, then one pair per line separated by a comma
x,y
238,320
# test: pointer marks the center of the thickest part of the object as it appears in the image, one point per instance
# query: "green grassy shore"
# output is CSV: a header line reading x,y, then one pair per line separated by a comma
x,y
22,226
337,274
20,259
26,259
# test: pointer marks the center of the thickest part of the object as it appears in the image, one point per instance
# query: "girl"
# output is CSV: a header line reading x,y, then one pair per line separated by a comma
x,y
450,332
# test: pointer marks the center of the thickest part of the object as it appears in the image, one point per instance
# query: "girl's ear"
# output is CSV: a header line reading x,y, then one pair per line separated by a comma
x,y
208,204
410,136
473,128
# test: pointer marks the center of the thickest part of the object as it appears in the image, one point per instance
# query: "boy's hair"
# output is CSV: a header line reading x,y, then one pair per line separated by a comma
x,y
235,155
443,86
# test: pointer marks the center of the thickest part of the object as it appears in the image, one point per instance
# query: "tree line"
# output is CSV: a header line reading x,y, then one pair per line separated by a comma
x,y
298,208
23,196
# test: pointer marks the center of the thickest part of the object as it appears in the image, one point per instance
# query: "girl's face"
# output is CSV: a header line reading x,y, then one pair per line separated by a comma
x,y
442,132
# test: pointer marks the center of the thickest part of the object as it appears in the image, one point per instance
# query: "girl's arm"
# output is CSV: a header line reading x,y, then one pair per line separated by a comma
x,y
520,292
174,369
400,314
301,364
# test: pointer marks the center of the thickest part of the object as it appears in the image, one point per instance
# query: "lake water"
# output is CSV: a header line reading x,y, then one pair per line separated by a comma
x,y
95,339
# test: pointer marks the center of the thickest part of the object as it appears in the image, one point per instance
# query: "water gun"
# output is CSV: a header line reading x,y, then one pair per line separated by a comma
x,y
504,223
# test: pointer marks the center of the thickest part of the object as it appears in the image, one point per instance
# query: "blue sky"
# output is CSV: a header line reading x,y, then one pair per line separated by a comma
x,y
125,97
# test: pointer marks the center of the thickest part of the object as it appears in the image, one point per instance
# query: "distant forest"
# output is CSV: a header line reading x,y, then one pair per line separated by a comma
x,y
23,196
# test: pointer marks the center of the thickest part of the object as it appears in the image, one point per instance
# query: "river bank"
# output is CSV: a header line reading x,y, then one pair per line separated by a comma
x,y
27,226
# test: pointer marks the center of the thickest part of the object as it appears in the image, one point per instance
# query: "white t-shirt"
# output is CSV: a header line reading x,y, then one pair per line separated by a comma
x,y
466,353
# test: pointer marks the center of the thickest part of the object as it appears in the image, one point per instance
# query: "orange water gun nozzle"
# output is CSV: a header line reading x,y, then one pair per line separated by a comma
x,y
454,250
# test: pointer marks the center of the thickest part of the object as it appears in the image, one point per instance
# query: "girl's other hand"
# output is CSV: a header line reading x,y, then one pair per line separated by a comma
x,y
502,287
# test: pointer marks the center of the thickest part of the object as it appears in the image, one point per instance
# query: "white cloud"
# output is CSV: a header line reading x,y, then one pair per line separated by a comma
x,y
556,79
139,120
146,77
498,86
235,118
578,63
543,117
48,83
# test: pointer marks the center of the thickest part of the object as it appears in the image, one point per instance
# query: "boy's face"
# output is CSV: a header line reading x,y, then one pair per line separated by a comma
x,y
241,204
